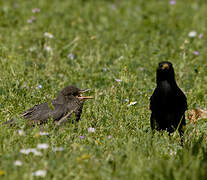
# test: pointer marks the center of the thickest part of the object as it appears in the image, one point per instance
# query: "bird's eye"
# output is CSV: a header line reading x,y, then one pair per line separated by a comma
x,y
76,94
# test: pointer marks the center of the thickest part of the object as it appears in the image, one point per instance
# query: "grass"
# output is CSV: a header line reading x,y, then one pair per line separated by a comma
x,y
110,40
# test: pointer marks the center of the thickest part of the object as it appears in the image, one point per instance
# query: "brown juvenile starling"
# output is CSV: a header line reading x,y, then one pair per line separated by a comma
x,y
68,101
167,103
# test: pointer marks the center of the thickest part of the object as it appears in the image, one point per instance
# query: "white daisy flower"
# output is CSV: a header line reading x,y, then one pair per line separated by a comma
x,y
39,86
48,49
192,34
43,133
42,146
92,130
118,80
35,10
48,35
21,132
30,150
71,56
54,149
132,103
40,173
17,163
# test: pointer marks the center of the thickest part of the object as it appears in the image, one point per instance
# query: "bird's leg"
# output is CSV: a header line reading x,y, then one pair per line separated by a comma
x,y
152,123
181,129
181,133
64,118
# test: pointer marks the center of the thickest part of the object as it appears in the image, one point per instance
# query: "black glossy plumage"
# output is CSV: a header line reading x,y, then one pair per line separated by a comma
x,y
167,103
59,109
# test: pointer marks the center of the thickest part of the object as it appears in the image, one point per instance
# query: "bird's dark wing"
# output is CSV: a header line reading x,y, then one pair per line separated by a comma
x,y
41,113
182,101
73,107
65,117
153,100
153,104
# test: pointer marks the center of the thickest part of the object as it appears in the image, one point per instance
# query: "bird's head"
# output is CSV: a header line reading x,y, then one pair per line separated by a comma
x,y
165,72
73,91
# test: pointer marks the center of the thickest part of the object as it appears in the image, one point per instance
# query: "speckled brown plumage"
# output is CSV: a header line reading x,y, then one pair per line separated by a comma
x,y
68,101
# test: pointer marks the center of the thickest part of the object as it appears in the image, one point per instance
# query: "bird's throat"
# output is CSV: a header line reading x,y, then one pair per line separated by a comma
x,y
165,86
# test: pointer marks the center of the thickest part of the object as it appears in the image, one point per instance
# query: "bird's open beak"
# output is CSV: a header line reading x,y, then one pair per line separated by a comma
x,y
81,97
165,66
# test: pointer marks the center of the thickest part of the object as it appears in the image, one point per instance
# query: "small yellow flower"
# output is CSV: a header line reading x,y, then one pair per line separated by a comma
x,y
83,157
132,103
26,28
93,37
182,47
125,68
80,20
98,142
186,41
73,23
2,172
36,135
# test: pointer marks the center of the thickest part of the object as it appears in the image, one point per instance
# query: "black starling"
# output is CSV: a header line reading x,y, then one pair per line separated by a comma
x,y
167,103
68,101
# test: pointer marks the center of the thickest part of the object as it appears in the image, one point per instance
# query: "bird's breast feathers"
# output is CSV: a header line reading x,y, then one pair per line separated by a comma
x,y
165,87
165,97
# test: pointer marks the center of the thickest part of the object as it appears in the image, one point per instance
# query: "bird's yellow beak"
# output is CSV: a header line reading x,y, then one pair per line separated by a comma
x,y
80,97
165,66
85,97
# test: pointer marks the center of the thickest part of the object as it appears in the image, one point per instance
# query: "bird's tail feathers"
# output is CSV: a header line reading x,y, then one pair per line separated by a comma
x,y
10,122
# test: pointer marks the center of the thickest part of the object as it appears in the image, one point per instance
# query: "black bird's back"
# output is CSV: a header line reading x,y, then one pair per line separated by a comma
x,y
168,105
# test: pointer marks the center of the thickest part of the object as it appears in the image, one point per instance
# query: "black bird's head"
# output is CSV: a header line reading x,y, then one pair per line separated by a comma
x,y
72,91
165,72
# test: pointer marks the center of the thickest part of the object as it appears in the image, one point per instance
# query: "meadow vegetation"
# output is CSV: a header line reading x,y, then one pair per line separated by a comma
x,y
112,47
